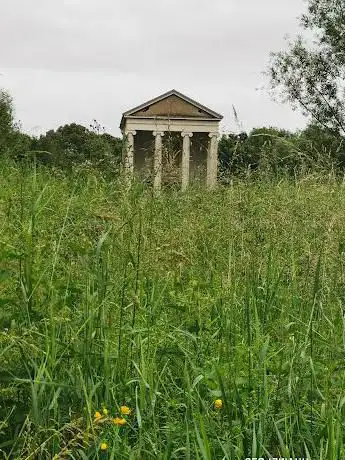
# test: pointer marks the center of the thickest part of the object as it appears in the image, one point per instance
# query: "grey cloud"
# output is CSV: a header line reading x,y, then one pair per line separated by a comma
x,y
133,35
80,59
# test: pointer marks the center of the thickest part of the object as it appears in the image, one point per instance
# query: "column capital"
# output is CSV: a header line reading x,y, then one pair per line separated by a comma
x,y
158,133
183,134
130,131
213,135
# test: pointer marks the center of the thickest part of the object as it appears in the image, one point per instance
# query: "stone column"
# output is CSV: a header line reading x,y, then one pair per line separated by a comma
x,y
212,160
185,159
157,160
129,152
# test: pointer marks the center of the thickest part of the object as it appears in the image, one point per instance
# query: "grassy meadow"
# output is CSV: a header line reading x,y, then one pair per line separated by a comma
x,y
124,317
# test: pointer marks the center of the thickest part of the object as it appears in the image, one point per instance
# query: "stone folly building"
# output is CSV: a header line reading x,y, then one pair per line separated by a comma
x,y
171,136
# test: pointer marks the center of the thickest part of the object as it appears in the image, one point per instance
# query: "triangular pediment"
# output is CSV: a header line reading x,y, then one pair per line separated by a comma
x,y
172,105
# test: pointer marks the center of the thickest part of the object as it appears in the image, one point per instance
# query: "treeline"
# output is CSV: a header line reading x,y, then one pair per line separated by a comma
x,y
67,146
272,151
73,144
268,151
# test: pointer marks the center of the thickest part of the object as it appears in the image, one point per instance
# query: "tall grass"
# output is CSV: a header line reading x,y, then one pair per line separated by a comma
x,y
114,297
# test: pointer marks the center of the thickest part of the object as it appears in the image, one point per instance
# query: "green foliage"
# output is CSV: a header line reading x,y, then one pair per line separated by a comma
x,y
278,153
113,296
323,146
6,120
311,76
68,146
74,144
233,159
12,142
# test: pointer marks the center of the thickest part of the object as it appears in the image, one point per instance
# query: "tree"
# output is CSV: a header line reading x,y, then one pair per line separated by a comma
x,y
12,140
75,144
323,147
6,120
232,156
263,149
311,74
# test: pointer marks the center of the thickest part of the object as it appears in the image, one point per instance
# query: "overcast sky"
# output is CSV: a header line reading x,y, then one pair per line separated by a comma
x,y
69,61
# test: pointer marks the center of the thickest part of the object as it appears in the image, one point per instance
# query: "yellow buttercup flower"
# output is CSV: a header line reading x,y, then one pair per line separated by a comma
x,y
104,446
105,411
125,410
98,415
218,404
119,421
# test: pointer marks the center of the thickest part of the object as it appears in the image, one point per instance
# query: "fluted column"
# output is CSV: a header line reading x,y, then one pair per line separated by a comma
x,y
129,152
157,160
185,159
212,160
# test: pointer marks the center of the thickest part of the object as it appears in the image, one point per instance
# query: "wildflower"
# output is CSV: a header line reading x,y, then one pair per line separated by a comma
x,y
105,411
98,415
104,446
125,410
218,404
119,421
